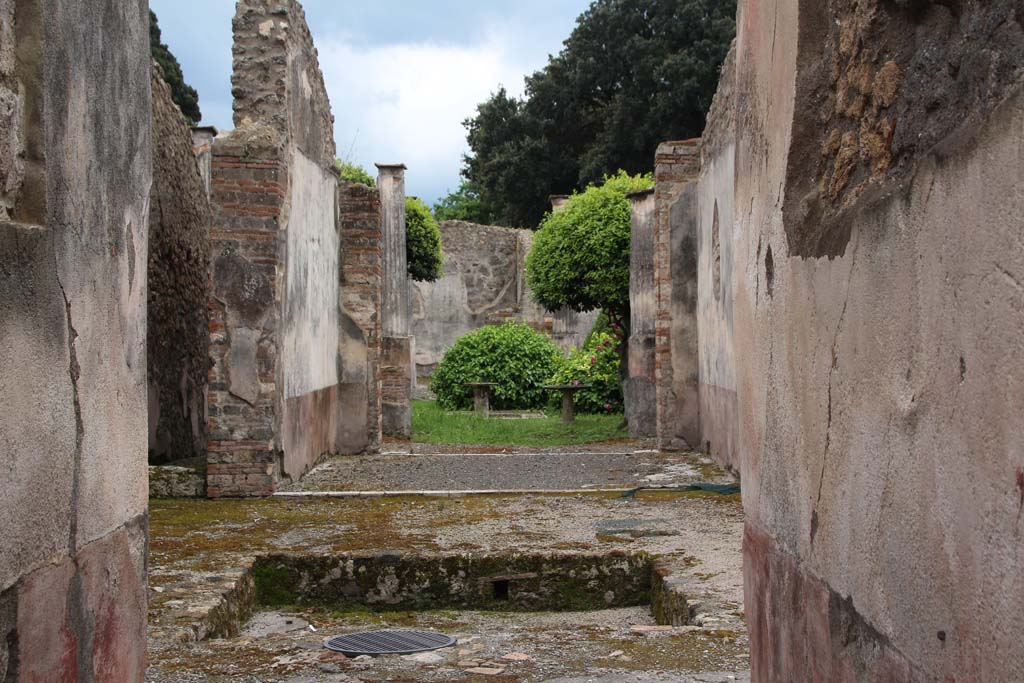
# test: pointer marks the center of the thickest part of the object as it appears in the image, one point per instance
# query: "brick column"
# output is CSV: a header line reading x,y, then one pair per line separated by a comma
x,y
362,277
248,193
640,395
677,165
397,370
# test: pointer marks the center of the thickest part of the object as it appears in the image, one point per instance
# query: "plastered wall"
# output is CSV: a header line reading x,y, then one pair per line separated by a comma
x,y
73,428
877,270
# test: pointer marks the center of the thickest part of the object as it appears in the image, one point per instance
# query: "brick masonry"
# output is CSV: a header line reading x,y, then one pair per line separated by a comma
x,y
248,193
362,273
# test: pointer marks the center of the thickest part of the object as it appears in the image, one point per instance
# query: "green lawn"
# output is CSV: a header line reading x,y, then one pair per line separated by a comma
x,y
432,424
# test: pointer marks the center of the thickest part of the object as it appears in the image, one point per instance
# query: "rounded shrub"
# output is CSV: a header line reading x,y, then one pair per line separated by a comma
x,y
422,242
595,365
514,356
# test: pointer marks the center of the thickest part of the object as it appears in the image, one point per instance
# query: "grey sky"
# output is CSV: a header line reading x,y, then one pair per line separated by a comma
x,y
402,75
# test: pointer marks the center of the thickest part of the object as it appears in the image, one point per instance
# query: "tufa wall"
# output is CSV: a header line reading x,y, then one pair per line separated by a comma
x,y
279,336
484,283
75,172
876,260
179,258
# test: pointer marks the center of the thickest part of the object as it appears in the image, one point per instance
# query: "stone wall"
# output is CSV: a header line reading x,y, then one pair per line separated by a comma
x,y
362,273
178,337
276,402
75,172
675,281
484,283
877,274
640,389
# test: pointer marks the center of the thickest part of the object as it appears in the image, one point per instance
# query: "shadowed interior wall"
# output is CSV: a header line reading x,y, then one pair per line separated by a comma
x,y
878,280
75,173
179,288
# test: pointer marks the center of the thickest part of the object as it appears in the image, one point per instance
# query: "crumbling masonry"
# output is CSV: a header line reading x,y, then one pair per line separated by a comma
x,y
293,373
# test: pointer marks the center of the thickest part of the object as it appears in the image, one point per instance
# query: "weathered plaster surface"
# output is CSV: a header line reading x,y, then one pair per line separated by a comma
x,y
879,380
640,389
73,432
310,321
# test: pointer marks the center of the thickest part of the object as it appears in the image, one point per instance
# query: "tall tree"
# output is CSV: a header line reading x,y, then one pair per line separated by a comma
x,y
632,74
183,94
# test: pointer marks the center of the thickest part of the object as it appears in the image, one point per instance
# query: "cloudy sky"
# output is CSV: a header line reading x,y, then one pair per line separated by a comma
x,y
402,75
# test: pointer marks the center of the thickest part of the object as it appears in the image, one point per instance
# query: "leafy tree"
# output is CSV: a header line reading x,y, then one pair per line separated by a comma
x,y
632,74
354,173
422,242
580,255
517,358
183,94
463,205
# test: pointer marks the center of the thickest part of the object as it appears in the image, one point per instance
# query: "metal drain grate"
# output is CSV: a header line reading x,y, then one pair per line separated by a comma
x,y
388,642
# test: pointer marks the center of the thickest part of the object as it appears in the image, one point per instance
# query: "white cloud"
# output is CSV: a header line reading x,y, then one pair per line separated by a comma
x,y
406,103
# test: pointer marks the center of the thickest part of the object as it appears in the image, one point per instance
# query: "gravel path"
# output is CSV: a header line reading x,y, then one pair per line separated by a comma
x,y
509,472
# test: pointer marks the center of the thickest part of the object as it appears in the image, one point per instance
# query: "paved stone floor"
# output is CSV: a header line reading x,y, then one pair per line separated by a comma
x,y
200,551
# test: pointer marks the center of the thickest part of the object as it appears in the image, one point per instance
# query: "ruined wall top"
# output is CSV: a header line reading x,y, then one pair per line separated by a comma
x,y
720,129
277,80
677,161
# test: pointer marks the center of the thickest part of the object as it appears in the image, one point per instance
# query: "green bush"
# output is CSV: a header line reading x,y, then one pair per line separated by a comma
x,y
422,242
354,173
580,255
514,356
596,365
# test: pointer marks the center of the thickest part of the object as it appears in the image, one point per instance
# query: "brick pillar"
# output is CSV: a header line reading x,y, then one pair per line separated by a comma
x,y
248,193
397,370
640,394
362,278
676,370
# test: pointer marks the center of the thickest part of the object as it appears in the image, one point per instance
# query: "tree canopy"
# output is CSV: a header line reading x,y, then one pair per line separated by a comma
x,y
463,205
422,242
183,94
354,173
580,255
632,74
